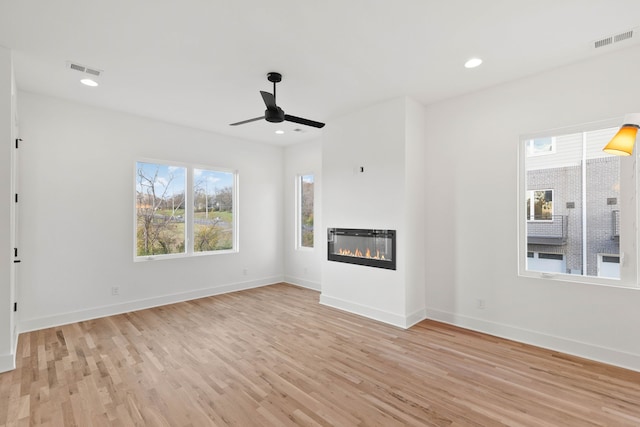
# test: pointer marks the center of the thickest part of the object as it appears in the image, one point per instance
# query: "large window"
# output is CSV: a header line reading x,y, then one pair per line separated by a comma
x,y
576,204
183,210
304,222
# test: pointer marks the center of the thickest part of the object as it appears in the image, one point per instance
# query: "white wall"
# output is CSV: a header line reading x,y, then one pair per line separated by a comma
x,y
414,210
6,217
303,266
77,186
376,139
471,229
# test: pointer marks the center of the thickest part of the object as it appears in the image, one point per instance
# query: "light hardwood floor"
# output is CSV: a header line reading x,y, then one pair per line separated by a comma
x,y
274,357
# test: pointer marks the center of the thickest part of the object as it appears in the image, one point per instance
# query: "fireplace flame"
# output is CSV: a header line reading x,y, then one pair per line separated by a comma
x,y
358,253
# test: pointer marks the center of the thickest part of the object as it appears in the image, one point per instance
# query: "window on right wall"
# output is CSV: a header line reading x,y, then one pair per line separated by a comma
x,y
577,214
305,212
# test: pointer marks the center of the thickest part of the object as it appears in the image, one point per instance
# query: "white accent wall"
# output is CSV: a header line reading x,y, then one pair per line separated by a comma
x,y
387,141
77,195
302,266
471,193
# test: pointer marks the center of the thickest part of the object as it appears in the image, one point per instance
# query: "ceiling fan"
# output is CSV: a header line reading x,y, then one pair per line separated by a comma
x,y
275,114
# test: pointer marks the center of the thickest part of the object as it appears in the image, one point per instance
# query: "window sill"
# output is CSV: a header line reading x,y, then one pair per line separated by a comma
x,y
584,280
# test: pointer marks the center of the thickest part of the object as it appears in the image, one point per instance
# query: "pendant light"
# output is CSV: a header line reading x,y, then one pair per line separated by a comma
x,y
623,141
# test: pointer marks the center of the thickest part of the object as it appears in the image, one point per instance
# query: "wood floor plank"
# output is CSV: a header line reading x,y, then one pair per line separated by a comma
x,y
273,356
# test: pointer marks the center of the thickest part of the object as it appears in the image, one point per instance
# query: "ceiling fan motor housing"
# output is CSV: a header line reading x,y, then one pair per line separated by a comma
x,y
274,115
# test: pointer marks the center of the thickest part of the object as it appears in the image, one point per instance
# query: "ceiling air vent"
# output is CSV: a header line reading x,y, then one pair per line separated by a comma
x,y
77,67
603,42
609,40
623,36
84,69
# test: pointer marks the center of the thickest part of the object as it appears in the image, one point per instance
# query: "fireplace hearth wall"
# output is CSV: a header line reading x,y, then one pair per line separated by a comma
x,y
367,247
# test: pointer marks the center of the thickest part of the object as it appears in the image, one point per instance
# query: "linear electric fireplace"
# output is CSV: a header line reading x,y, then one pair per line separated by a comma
x,y
373,248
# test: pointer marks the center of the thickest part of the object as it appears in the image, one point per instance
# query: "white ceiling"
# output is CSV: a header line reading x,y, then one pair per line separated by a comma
x,y
202,63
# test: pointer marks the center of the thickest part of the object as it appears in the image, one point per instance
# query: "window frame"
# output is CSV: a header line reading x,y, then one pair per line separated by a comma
x,y
137,257
189,210
298,211
234,214
629,221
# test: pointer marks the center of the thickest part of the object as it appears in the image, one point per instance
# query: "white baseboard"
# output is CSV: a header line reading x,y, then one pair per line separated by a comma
x,y
564,345
303,283
35,324
398,320
415,317
7,362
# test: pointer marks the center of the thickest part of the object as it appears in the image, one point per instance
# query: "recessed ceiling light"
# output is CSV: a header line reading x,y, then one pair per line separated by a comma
x,y
473,63
279,132
89,82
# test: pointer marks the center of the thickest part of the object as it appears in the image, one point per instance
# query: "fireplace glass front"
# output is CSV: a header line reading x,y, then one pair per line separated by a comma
x,y
373,248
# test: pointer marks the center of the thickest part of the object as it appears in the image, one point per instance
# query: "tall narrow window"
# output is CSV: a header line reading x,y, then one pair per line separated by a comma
x,y
213,210
160,209
573,199
305,211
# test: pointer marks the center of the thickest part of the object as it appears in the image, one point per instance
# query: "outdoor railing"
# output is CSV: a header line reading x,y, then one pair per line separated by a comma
x,y
551,230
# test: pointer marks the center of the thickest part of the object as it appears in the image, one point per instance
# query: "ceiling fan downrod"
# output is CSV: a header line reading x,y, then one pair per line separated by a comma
x,y
275,78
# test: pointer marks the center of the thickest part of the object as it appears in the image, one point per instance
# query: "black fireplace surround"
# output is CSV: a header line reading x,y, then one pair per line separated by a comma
x,y
372,248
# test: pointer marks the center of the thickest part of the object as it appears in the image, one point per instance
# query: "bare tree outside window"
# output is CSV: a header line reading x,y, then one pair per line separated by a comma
x,y
183,210
160,209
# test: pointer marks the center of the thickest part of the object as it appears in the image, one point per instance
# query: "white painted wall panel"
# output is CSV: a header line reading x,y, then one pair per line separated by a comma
x,y
472,241
6,217
77,175
303,266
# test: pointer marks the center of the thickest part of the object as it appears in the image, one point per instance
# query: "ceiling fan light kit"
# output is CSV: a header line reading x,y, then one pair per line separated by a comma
x,y
275,114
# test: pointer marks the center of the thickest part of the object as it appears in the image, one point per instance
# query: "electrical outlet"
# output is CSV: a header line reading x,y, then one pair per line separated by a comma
x,y
115,290
480,304
245,271
306,271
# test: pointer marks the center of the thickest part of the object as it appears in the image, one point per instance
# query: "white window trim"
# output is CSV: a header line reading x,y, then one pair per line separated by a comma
x,y
298,212
628,223
234,202
189,211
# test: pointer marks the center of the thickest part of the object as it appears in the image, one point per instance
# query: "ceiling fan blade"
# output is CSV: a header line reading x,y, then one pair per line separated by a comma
x,y
247,121
269,99
302,121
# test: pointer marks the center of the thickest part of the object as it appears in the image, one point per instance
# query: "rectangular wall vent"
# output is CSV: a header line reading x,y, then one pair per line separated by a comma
x,y
609,40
